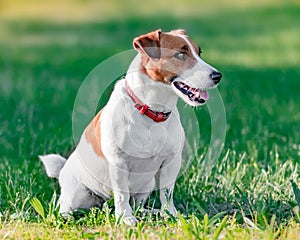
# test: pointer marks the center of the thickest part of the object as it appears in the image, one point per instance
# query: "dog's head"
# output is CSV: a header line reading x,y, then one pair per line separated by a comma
x,y
174,59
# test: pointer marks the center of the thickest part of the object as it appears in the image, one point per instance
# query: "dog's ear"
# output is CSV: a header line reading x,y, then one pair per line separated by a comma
x,y
179,31
149,44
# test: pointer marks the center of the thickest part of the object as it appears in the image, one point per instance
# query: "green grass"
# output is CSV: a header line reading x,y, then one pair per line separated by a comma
x,y
248,195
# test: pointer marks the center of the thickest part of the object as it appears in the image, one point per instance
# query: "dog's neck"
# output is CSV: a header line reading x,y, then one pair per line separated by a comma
x,y
157,95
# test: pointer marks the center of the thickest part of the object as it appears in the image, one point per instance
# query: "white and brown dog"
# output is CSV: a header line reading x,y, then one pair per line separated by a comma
x,y
135,142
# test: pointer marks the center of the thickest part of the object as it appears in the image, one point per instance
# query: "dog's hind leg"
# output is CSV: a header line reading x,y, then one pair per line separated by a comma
x,y
77,197
74,195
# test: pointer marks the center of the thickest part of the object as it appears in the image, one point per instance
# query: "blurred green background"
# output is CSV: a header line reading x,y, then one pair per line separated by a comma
x,y
48,47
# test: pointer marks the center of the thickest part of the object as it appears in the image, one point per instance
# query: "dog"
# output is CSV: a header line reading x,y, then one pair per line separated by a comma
x,y
135,142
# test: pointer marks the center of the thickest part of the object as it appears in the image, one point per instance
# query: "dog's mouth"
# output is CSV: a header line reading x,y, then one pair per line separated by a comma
x,y
195,95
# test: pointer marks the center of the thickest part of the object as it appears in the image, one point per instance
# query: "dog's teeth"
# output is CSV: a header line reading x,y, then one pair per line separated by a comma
x,y
194,94
190,94
197,94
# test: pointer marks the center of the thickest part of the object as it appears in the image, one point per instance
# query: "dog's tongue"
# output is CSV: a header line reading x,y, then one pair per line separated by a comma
x,y
202,94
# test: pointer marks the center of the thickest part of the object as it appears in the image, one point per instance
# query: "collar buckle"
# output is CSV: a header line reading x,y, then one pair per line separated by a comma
x,y
144,109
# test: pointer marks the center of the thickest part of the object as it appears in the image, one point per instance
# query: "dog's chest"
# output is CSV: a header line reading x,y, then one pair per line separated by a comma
x,y
148,141
135,140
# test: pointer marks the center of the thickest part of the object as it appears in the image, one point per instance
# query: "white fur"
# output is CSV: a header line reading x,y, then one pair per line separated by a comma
x,y
198,76
137,149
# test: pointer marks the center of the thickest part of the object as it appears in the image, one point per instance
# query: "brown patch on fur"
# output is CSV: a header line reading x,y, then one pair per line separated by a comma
x,y
93,135
148,44
164,66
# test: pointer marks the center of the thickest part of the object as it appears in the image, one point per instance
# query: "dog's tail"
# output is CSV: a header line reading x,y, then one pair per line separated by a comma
x,y
53,164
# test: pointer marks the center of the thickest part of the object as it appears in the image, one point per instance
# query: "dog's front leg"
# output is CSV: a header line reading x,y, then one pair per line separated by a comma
x,y
119,181
167,178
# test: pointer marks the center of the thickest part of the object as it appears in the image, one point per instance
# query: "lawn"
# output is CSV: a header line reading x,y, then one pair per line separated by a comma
x,y
48,48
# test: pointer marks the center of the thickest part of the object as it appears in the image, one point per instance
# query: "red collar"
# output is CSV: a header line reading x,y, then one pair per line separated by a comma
x,y
145,109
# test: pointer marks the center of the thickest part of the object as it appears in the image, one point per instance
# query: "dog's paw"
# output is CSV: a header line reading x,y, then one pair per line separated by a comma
x,y
169,212
129,220
173,212
67,215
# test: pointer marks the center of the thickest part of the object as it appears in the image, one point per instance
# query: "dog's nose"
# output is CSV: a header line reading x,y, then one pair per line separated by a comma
x,y
216,76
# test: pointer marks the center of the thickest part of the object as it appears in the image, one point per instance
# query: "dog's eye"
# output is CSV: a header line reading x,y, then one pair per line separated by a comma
x,y
180,55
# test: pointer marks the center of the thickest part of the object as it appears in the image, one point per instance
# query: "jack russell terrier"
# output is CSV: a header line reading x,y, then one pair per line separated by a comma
x,y
135,142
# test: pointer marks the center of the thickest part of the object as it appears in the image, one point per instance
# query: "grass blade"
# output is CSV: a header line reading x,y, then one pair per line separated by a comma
x,y
215,218
37,206
185,226
296,192
220,228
